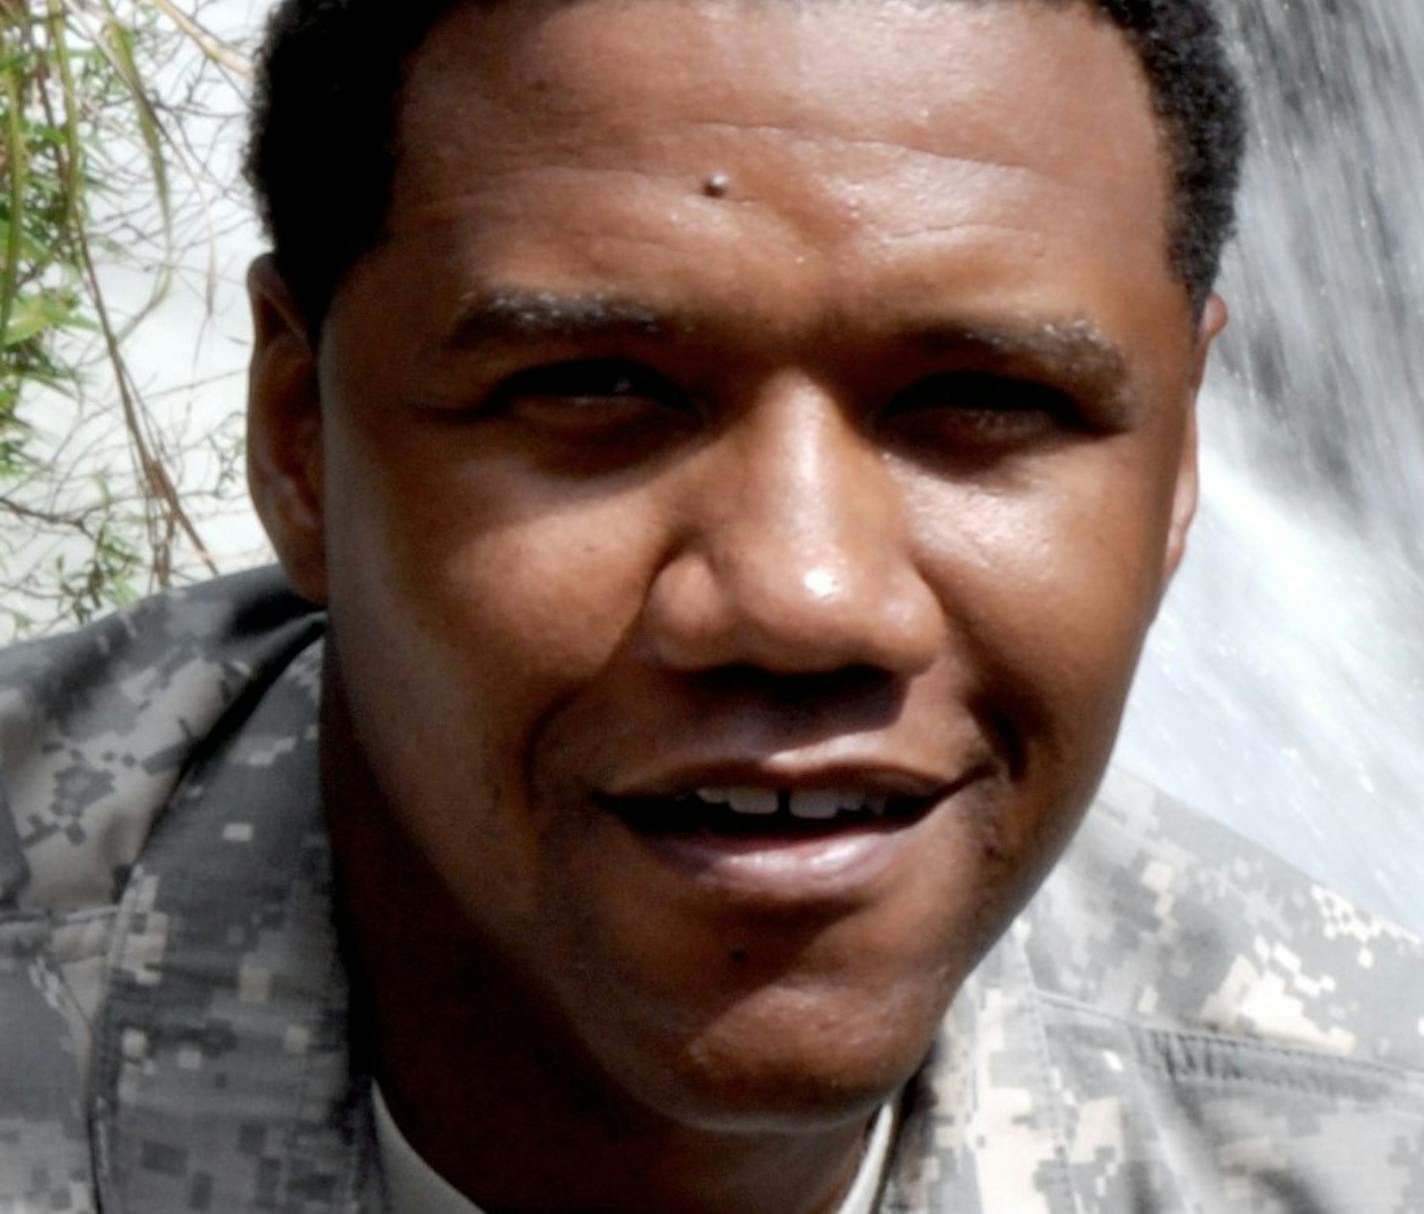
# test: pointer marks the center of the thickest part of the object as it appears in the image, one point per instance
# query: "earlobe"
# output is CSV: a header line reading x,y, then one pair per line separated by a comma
x,y
284,440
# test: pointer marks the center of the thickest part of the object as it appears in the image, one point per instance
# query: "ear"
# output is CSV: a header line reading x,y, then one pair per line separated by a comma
x,y
1188,485
284,441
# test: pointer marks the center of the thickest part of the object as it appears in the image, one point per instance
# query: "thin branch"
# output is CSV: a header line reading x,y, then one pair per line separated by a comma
x,y
214,48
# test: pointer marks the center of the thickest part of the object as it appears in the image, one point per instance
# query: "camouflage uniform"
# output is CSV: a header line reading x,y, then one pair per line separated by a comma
x,y
1178,1023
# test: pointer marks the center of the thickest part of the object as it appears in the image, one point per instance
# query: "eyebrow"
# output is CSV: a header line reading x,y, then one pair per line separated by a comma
x,y
505,315
1073,349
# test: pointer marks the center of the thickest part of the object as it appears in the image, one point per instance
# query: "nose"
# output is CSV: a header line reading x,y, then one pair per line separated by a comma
x,y
796,553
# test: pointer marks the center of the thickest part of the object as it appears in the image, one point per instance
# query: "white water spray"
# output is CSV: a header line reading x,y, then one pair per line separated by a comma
x,y
1283,690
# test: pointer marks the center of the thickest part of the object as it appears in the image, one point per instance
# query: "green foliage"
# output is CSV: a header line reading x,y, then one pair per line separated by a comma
x,y
81,134
43,207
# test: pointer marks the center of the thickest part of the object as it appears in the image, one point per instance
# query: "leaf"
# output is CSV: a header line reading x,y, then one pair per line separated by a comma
x,y
31,315
15,159
118,39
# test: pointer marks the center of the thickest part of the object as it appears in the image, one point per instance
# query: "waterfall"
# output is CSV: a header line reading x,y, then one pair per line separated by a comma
x,y
1283,690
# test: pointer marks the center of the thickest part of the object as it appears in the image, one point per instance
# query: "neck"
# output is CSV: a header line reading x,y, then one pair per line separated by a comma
x,y
493,1092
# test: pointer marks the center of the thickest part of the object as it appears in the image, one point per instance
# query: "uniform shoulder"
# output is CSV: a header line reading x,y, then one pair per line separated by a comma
x,y
1160,915
97,725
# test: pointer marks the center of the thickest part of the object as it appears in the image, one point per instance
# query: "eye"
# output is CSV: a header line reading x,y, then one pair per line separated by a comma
x,y
976,411
586,397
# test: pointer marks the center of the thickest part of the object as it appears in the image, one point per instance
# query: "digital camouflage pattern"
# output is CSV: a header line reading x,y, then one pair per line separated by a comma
x,y
1178,1024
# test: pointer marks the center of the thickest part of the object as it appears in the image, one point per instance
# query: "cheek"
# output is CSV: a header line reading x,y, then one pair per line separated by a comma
x,y
1052,586
465,613
473,597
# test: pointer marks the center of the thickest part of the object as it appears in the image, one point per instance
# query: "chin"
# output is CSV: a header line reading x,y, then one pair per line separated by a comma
x,y
791,1061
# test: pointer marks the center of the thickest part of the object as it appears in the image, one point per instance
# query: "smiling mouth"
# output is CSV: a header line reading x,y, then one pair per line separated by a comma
x,y
749,812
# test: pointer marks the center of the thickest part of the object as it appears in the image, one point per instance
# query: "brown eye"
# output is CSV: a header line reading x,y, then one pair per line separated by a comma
x,y
603,387
591,409
972,408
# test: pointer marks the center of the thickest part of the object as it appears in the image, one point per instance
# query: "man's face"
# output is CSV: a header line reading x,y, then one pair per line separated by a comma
x,y
756,409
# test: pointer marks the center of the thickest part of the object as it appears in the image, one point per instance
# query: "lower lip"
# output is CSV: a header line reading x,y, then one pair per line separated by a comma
x,y
790,870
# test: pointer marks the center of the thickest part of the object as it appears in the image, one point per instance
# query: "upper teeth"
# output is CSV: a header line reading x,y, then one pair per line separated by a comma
x,y
746,800
801,803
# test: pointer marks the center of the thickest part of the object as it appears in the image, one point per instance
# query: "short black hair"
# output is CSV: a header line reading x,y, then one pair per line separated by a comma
x,y
324,140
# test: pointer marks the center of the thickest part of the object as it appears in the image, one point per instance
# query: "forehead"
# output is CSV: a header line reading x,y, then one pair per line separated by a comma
x,y
1007,79
864,141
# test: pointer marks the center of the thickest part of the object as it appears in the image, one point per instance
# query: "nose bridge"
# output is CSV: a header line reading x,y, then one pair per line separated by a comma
x,y
799,556
807,522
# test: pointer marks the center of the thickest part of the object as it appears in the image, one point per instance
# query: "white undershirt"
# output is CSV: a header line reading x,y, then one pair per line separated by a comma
x,y
414,1187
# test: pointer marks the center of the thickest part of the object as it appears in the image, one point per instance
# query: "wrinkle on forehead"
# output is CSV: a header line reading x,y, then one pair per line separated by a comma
x,y
828,217
593,148
800,134
536,72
